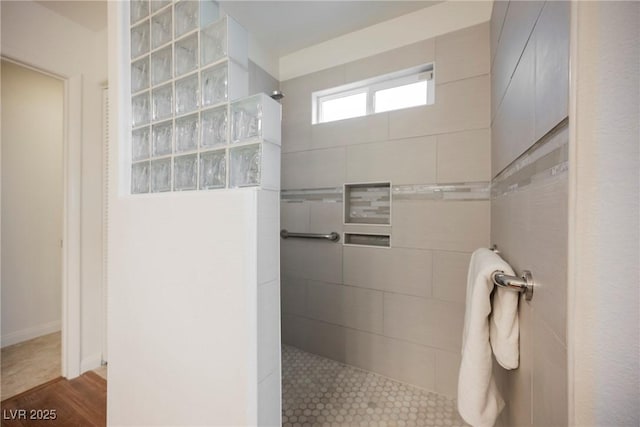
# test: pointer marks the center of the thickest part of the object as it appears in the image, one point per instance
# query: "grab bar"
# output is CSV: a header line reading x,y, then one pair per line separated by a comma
x,y
522,284
333,236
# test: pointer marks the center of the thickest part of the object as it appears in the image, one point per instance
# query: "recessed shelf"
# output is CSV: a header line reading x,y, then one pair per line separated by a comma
x,y
362,239
367,203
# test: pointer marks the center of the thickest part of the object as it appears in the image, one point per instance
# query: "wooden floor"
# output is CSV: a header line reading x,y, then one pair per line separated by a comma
x,y
60,402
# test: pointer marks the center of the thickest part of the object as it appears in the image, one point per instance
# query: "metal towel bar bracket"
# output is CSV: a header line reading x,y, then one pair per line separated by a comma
x,y
523,284
333,236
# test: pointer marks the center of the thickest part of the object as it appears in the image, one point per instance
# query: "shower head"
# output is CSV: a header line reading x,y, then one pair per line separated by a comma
x,y
277,95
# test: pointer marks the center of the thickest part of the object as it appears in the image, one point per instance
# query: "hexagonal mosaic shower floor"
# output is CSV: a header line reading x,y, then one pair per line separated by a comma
x,y
322,392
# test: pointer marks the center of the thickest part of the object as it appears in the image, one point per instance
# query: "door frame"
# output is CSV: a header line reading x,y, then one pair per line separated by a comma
x,y
71,217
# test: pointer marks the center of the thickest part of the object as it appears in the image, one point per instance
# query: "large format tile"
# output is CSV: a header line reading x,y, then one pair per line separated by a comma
x,y
424,321
356,130
293,296
513,127
406,271
313,169
538,215
345,305
447,370
296,136
294,216
405,161
463,53
400,360
498,13
445,225
549,395
552,66
450,275
464,156
460,105
295,330
419,53
520,18
312,259
325,217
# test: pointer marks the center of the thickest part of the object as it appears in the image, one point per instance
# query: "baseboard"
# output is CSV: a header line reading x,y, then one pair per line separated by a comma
x,y
30,333
90,363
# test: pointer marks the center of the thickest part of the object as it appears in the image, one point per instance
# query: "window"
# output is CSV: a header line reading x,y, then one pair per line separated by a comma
x,y
404,89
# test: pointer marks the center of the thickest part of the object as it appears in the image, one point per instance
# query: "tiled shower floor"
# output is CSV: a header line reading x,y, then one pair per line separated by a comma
x,y
318,391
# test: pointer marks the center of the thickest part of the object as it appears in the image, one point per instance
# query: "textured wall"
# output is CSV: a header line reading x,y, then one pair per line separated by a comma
x,y
605,320
529,208
397,311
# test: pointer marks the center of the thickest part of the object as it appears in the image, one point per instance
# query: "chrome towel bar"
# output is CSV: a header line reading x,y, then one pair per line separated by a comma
x,y
522,284
333,236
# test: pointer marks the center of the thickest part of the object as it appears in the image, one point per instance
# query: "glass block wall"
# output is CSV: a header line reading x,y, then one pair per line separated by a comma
x,y
193,126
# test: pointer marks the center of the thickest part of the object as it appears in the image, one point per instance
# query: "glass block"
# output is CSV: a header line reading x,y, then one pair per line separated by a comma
x,y
161,66
185,172
187,133
214,85
213,40
140,144
245,166
160,175
140,109
139,10
214,127
140,75
140,39
156,5
186,16
213,169
161,25
162,102
246,120
161,143
140,178
187,94
186,54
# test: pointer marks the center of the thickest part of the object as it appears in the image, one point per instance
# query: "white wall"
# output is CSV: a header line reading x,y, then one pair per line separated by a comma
x,y
604,291
404,30
32,199
34,35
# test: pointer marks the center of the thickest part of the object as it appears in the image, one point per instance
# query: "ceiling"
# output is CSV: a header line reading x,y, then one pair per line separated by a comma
x,y
287,26
281,27
91,14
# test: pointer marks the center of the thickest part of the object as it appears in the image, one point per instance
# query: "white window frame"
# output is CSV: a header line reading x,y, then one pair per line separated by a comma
x,y
370,87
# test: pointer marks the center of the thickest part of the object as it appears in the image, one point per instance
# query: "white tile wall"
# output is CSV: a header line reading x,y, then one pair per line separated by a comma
x,y
345,305
464,156
445,225
313,169
450,271
406,271
381,309
403,161
462,54
424,321
459,105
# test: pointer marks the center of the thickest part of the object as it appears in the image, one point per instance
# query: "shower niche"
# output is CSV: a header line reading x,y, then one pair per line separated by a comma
x,y
367,214
193,126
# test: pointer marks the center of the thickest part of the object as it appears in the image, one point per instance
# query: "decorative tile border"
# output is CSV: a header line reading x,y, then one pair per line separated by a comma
x,y
327,195
458,192
546,159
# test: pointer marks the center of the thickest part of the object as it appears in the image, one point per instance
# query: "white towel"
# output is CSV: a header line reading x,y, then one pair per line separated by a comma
x,y
479,401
